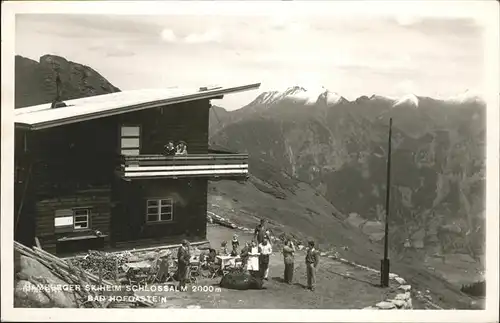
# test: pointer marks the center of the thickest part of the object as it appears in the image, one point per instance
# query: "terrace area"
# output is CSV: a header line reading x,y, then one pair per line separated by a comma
x,y
213,166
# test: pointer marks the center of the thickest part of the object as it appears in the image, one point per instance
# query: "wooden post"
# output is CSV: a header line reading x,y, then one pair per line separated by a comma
x,y
116,269
385,264
37,243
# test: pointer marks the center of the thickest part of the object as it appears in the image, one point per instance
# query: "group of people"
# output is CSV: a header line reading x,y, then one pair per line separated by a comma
x,y
170,149
256,253
255,256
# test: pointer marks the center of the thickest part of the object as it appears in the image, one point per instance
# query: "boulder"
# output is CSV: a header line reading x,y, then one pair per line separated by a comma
x,y
403,296
408,305
373,229
398,302
385,305
42,275
400,280
405,287
355,220
27,295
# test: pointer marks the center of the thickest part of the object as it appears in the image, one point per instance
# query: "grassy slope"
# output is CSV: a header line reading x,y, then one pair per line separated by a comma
x,y
296,208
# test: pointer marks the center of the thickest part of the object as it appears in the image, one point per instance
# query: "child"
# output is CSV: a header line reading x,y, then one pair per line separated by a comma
x,y
235,244
223,246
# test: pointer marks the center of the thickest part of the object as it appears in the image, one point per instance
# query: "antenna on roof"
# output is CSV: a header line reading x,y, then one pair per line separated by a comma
x,y
209,88
57,103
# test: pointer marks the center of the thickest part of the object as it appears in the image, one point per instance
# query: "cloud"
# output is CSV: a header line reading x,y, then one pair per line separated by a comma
x,y
168,35
283,21
212,35
407,20
112,51
406,86
280,21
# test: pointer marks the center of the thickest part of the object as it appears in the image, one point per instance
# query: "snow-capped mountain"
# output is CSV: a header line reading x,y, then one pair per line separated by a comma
x,y
330,98
410,99
322,96
271,97
466,97
298,94
383,98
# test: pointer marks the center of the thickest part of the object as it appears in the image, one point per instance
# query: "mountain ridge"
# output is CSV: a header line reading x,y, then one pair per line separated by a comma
x,y
325,144
298,92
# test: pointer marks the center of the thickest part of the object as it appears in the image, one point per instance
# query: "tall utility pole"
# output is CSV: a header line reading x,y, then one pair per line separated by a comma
x,y
384,270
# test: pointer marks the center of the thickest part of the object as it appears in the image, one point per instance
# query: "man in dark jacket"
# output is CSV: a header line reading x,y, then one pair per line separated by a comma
x,y
260,232
183,259
312,261
169,148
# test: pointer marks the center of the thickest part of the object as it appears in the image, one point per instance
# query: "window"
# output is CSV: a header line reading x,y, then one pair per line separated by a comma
x,y
159,210
130,140
81,219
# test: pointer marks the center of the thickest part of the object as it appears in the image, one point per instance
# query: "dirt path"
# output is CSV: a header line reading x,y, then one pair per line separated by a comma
x,y
333,291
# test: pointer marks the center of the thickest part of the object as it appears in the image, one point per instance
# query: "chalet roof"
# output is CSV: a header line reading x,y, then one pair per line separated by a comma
x,y
78,110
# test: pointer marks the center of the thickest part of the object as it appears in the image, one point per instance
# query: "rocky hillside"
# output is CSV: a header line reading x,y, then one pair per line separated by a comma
x,y
340,147
35,81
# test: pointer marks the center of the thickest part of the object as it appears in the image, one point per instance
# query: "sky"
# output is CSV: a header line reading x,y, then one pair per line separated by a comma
x,y
391,55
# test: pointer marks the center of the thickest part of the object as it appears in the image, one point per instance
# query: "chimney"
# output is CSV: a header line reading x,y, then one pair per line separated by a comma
x,y
57,103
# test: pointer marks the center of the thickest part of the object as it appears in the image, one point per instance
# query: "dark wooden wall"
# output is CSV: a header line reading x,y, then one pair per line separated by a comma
x,y
24,202
73,166
99,203
190,209
73,157
185,121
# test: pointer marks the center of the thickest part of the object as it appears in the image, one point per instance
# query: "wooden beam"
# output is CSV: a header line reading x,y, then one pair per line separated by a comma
x,y
37,243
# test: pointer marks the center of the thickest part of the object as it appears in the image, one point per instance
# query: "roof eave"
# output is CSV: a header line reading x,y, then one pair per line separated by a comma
x,y
203,95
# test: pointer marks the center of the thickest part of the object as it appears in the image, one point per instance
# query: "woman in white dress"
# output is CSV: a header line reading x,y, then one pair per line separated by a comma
x,y
253,259
265,250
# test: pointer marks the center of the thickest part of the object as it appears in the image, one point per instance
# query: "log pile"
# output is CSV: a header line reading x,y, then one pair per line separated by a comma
x,y
214,218
109,265
75,275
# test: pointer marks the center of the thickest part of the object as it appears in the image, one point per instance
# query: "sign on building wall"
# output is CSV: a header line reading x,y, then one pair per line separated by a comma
x,y
63,219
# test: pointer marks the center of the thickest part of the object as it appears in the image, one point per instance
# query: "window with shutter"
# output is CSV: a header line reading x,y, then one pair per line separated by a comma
x,y
130,140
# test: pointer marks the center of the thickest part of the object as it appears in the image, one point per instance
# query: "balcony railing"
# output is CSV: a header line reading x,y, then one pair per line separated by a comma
x,y
213,166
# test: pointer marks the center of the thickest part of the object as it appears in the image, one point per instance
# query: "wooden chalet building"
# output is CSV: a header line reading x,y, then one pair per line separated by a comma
x,y
92,174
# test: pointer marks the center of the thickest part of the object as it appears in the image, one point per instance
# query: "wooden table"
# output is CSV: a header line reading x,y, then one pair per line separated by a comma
x,y
227,260
142,265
